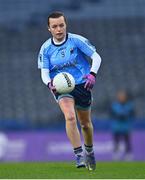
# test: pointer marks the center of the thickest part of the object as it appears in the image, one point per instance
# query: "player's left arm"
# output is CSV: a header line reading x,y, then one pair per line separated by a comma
x,y
87,48
96,62
91,78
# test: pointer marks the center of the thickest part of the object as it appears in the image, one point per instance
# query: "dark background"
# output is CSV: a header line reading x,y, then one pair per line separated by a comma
x,y
115,27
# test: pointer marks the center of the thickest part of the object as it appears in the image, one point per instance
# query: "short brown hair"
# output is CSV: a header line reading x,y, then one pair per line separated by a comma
x,y
56,14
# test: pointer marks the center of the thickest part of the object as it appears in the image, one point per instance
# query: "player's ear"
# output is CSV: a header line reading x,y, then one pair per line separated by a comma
x,y
48,28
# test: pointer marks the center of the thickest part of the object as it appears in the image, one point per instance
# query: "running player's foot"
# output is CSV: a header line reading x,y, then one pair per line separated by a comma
x,y
90,161
80,163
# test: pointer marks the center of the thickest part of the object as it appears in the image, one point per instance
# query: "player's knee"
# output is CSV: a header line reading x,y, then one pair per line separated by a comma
x,y
70,118
86,125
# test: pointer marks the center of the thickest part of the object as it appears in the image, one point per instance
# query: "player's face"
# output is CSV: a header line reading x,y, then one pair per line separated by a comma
x,y
57,27
121,96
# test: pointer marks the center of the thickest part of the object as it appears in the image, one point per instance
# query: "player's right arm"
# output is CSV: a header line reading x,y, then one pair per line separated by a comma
x,y
46,80
43,65
45,76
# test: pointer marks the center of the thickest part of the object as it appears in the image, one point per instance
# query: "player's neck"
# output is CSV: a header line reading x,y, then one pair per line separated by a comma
x,y
59,42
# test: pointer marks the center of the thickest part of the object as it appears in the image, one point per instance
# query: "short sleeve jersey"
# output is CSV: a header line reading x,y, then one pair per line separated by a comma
x,y
70,56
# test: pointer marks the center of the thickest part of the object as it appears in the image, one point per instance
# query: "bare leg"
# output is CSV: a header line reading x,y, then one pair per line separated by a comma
x,y
87,131
86,126
67,106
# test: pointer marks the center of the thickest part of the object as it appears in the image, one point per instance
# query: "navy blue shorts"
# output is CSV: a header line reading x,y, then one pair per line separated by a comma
x,y
81,96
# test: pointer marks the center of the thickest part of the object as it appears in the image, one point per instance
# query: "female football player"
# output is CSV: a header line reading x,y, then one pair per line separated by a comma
x,y
66,52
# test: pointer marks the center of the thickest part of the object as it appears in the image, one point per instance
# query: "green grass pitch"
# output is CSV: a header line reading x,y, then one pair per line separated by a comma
x,y
67,170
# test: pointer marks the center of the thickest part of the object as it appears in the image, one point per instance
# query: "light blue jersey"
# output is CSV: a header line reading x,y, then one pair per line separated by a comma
x,y
69,56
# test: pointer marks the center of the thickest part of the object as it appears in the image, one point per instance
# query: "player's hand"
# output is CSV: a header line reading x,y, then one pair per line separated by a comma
x,y
51,87
90,81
